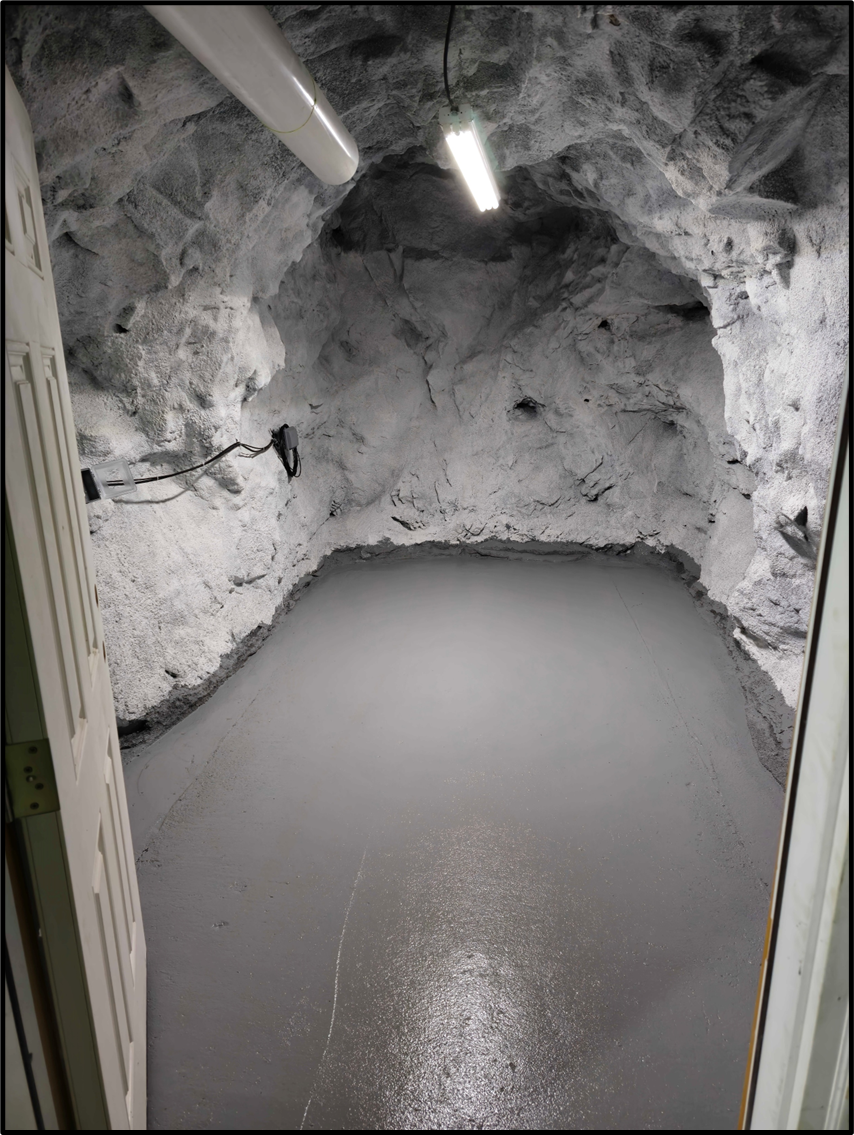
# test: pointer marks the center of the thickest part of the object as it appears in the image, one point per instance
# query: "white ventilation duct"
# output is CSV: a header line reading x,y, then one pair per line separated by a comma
x,y
242,45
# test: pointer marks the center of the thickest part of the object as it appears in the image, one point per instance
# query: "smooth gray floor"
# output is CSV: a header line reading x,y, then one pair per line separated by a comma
x,y
475,843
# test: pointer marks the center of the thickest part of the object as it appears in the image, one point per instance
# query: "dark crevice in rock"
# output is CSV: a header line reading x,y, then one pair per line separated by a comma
x,y
131,728
782,66
689,311
527,407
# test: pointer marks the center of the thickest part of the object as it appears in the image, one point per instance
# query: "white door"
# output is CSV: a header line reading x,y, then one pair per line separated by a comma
x,y
47,514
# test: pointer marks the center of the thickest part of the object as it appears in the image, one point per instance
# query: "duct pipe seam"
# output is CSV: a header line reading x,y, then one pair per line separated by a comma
x,y
242,45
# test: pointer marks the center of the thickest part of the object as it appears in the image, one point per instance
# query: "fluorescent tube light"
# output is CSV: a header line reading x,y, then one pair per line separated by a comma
x,y
470,156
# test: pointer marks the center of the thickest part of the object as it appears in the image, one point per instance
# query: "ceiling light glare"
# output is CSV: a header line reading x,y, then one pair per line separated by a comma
x,y
468,152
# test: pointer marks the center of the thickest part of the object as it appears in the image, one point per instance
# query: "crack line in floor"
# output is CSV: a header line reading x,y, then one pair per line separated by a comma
x,y
335,994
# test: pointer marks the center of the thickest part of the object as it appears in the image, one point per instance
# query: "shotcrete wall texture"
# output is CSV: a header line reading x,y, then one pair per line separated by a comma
x,y
644,346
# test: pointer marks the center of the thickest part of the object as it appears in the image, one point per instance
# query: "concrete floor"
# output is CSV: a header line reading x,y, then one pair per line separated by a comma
x,y
469,843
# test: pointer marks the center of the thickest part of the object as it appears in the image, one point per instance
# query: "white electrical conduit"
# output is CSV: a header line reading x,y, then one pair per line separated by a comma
x,y
242,45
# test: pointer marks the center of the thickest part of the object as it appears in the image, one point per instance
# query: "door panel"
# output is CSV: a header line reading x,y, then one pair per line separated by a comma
x,y
47,514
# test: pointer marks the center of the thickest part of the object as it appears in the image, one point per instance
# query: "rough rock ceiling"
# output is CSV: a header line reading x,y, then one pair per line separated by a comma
x,y
645,346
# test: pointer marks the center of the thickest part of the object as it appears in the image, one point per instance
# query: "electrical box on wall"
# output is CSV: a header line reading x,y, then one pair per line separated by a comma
x,y
108,480
285,441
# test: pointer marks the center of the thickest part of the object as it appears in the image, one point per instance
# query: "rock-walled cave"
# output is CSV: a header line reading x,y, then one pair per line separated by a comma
x,y
640,353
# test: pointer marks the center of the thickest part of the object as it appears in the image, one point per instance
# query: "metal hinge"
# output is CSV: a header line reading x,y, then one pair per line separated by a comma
x,y
29,775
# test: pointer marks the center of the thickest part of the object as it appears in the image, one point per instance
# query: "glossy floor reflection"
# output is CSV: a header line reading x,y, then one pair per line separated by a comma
x,y
475,843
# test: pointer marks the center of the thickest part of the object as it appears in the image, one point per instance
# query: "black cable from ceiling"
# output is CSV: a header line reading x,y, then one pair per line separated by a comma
x,y
447,42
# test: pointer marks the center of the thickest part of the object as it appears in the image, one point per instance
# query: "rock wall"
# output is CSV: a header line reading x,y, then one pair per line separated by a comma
x,y
644,346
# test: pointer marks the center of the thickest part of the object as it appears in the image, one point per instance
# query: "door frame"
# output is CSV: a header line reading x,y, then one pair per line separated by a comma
x,y
798,1063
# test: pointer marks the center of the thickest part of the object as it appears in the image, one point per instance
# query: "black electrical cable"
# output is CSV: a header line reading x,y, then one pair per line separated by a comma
x,y
192,469
163,476
254,451
447,42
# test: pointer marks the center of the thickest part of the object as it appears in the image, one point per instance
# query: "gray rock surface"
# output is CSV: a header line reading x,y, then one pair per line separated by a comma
x,y
645,345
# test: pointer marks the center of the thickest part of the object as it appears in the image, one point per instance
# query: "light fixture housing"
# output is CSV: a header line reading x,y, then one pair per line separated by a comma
x,y
463,138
